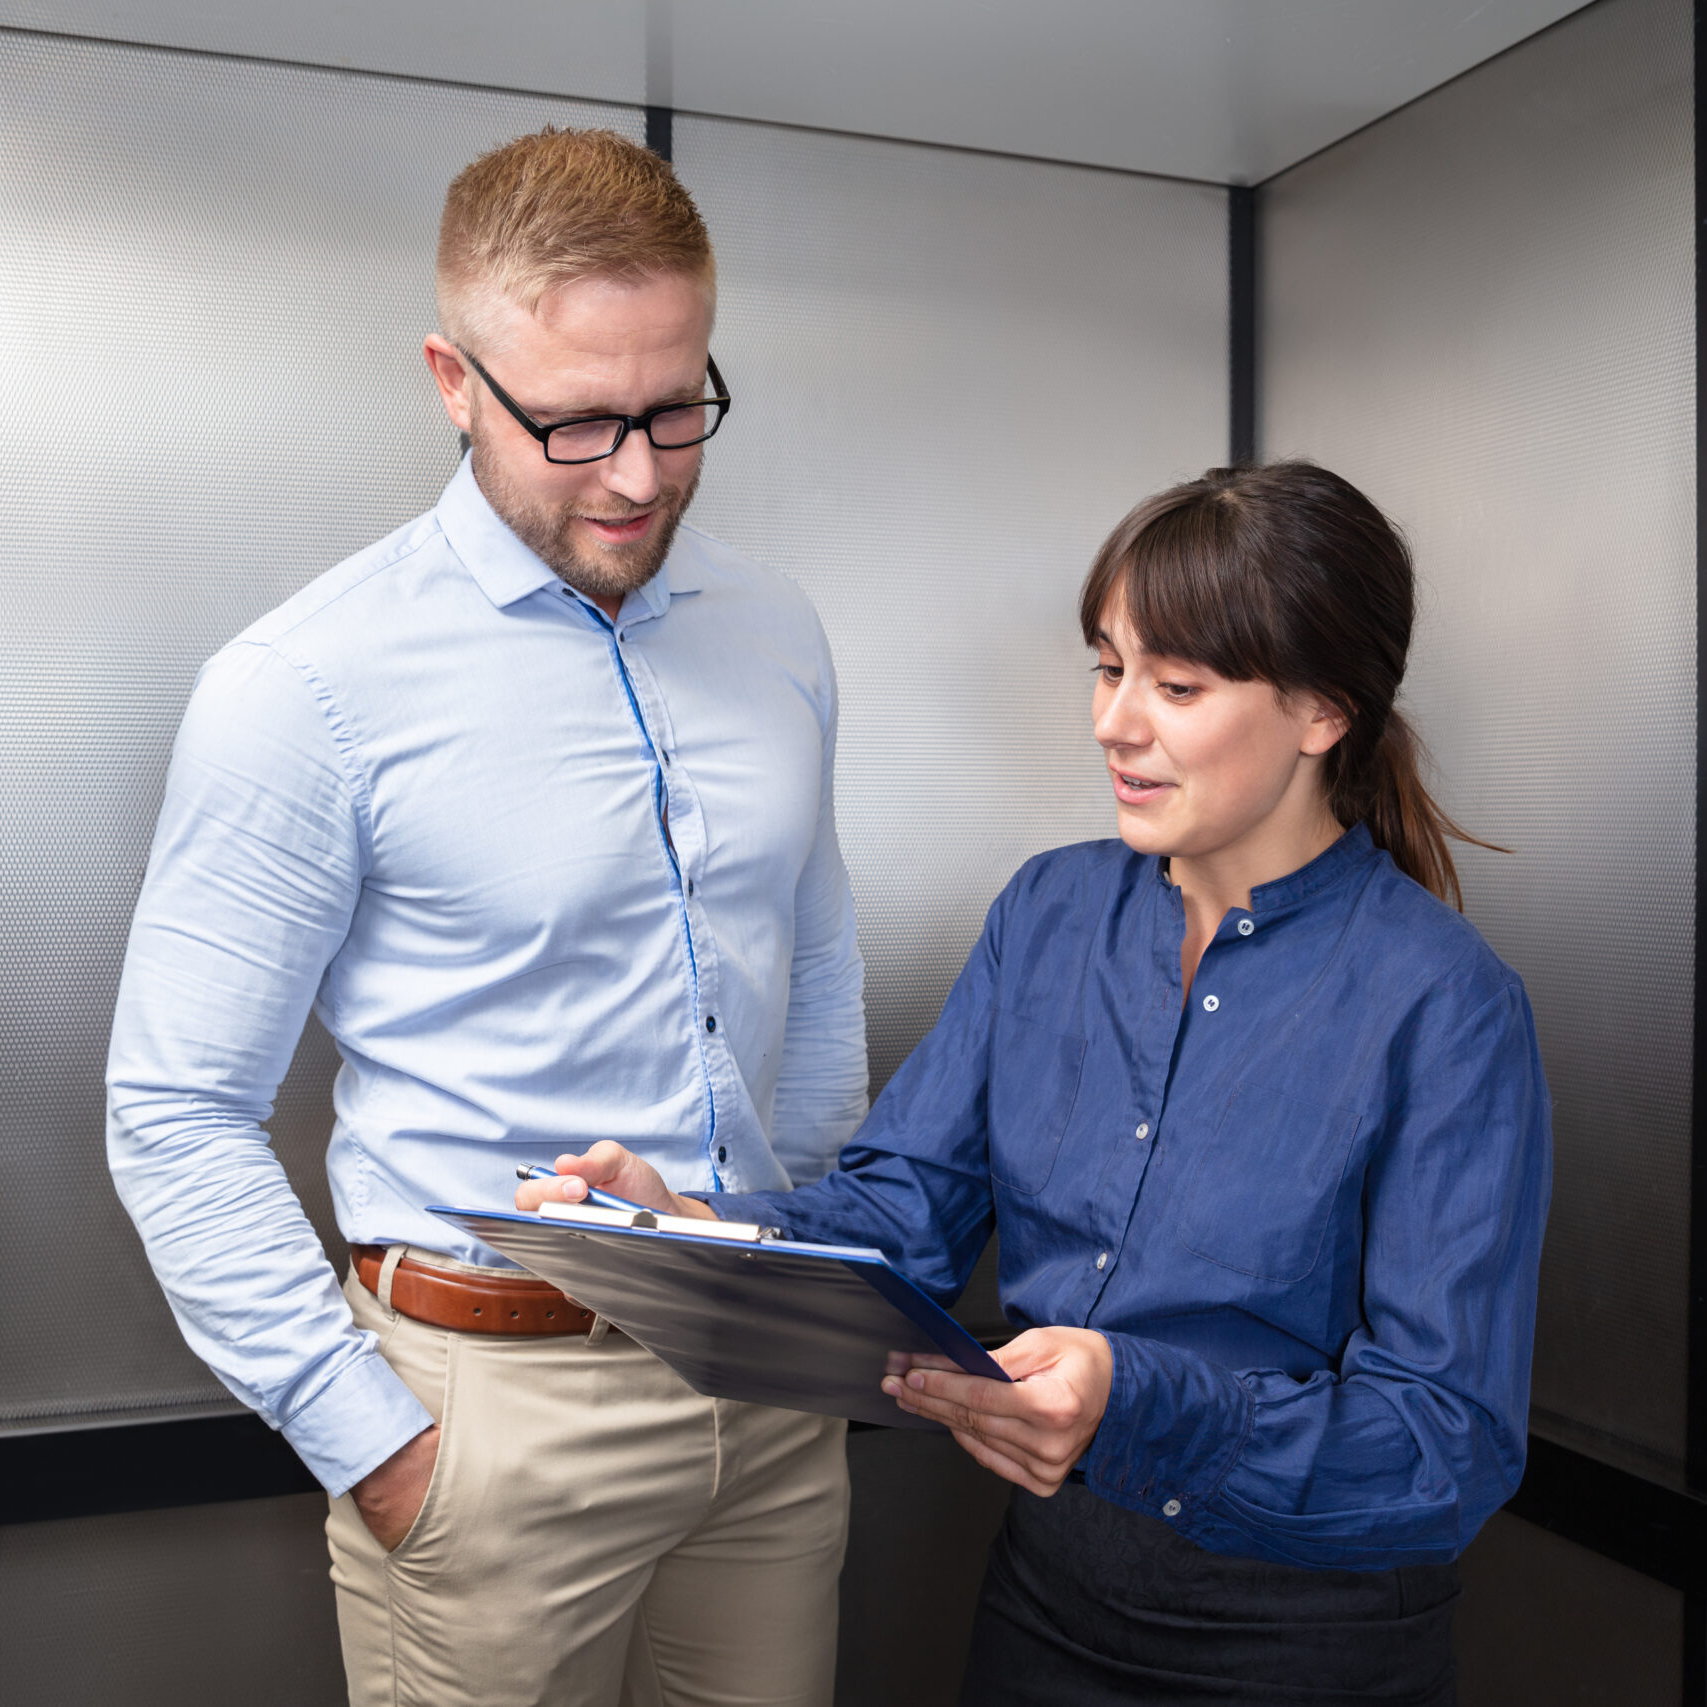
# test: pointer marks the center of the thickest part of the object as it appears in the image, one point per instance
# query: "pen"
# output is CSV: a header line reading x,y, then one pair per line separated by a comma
x,y
600,1199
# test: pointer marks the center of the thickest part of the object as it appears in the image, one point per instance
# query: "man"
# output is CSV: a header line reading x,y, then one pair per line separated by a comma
x,y
531,804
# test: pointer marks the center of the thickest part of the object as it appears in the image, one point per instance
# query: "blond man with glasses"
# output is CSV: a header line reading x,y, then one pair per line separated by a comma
x,y
531,803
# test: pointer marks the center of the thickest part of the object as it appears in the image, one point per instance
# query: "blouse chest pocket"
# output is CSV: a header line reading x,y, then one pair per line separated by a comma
x,y
1260,1194
1033,1084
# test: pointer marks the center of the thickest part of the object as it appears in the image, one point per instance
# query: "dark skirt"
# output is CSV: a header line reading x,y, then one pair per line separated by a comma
x,y
1087,1604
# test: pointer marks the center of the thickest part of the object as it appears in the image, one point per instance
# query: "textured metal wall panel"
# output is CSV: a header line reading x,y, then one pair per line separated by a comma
x,y
1481,311
1546,1623
953,373
204,1606
212,290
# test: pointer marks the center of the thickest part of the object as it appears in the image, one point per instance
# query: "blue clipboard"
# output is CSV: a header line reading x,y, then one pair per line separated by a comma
x,y
802,1327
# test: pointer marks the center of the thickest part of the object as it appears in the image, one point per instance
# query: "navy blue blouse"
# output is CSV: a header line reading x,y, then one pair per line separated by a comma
x,y
1305,1206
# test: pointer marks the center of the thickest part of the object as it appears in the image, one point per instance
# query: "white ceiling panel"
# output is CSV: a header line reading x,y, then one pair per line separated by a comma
x,y
1230,91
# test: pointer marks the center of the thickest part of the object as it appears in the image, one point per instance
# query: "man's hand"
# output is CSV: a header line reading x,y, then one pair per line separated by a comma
x,y
390,1498
1034,1431
616,1170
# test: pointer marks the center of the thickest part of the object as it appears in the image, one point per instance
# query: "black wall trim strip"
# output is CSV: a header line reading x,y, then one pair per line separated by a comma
x,y
94,1472
98,1472
1649,1528
1697,1426
1695,1604
660,131
1242,323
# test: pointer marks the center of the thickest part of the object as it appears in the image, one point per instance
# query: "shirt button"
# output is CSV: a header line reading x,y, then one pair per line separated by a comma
x,y
1246,926
1171,1509
690,885
711,1022
1143,1129
1102,1260
1211,1003
723,1152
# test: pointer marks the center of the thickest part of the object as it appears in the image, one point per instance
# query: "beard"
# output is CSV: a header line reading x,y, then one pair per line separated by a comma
x,y
548,530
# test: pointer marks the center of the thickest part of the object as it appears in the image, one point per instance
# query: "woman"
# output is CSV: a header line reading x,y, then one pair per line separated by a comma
x,y
1261,1123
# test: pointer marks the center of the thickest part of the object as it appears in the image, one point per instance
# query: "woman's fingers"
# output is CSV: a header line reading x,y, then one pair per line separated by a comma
x,y
1009,1468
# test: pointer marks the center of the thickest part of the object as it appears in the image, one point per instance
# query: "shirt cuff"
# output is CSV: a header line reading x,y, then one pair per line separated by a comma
x,y
1174,1428
355,1423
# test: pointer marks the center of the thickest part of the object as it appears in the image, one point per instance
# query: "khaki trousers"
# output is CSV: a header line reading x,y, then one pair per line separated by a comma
x,y
595,1533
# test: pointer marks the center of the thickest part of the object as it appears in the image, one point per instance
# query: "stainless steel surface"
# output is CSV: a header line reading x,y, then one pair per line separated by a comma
x,y
214,283
1225,92
953,375
1481,311
767,1322
1546,1623
232,262
232,1603
197,1607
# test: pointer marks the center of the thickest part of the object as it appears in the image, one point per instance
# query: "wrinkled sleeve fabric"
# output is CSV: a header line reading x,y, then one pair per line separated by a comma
x,y
254,873
821,1086
1400,1456
914,1182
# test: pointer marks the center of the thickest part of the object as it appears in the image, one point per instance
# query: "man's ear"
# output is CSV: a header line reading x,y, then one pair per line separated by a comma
x,y
451,374
1326,728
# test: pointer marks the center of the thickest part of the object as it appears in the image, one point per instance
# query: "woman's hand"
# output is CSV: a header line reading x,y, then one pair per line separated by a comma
x,y
1034,1431
611,1168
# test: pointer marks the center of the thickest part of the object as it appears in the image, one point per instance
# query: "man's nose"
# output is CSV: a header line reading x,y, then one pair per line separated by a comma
x,y
631,471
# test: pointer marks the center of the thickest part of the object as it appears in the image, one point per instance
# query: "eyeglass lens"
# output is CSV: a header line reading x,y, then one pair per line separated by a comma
x,y
675,428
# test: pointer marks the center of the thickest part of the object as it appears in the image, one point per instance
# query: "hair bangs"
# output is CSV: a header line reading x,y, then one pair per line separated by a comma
x,y
1183,572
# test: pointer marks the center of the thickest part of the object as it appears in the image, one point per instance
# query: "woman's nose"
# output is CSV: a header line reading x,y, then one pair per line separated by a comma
x,y
1118,723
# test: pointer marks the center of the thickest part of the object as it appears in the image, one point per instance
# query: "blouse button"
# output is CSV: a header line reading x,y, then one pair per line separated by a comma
x,y
1211,1003
1246,926
1171,1509
1102,1260
1143,1130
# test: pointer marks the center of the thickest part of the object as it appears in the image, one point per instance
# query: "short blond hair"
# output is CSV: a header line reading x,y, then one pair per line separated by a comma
x,y
555,207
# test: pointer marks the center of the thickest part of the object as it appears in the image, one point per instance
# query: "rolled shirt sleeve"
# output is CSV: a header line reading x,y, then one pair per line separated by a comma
x,y
1402,1454
254,873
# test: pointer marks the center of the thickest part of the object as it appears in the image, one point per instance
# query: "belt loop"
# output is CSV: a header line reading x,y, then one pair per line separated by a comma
x,y
394,1254
596,1333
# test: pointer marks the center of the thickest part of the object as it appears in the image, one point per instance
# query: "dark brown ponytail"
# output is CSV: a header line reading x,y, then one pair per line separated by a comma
x,y
1287,574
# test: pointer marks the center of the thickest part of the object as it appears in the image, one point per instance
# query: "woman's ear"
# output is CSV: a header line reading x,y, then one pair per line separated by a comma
x,y
1326,728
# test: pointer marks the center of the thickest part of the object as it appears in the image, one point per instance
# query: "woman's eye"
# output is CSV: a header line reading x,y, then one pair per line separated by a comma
x,y
1178,692
1108,672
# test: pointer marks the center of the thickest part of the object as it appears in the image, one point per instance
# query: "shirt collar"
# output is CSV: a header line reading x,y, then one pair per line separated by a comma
x,y
1351,852
506,570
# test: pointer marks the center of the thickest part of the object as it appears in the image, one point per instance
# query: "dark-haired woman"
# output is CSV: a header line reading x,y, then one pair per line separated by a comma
x,y
1261,1123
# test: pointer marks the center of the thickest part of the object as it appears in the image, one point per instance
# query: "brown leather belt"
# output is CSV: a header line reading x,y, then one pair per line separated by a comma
x,y
472,1303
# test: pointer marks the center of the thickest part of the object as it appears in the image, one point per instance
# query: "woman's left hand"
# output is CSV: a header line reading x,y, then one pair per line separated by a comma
x,y
1032,1431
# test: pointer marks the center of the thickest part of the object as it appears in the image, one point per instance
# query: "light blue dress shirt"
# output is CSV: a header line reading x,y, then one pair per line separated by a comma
x,y
545,878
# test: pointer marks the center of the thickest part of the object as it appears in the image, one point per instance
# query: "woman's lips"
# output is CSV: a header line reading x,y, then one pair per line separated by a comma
x,y
622,532
1133,790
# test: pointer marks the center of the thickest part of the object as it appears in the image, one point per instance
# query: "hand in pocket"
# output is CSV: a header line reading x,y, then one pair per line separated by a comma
x,y
390,1498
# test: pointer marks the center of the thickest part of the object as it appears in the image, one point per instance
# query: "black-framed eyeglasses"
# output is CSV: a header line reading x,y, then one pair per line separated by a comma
x,y
591,438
